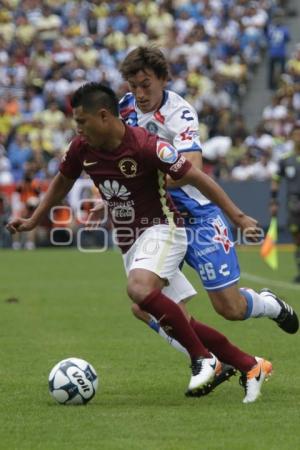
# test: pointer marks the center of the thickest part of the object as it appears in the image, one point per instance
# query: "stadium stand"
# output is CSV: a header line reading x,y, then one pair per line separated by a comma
x,y
49,48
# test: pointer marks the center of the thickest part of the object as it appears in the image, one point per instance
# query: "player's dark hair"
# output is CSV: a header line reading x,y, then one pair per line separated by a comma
x,y
92,96
142,58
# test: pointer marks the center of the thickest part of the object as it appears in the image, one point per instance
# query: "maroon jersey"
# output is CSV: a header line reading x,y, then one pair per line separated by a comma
x,y
131,178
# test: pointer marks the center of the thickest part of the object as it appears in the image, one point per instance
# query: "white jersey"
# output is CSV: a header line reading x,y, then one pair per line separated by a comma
x,y
175,121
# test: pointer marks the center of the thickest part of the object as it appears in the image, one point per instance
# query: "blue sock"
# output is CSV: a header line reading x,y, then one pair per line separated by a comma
x,y
249,301
154,325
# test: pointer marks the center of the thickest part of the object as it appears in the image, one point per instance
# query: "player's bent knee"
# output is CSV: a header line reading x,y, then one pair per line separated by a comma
x,y
141,283
138,291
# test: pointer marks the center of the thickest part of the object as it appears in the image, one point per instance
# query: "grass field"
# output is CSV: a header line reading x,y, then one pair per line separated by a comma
x,y
74,304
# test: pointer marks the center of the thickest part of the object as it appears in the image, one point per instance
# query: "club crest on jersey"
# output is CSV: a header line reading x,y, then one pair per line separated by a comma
x,y
221,234
166,153
128,167
112,189
152,127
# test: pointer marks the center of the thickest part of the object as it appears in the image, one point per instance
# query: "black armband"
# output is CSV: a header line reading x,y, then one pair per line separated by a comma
x,y
274,195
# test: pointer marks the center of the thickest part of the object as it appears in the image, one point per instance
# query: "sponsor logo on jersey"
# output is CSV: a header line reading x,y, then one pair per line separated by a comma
x,y
123,214
166,152
224,270
152,127
207,250
221,234
188,134
128,167
186,115
89,163
112,189
176,167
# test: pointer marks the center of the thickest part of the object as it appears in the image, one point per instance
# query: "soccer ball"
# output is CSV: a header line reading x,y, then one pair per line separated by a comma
x,y
73,381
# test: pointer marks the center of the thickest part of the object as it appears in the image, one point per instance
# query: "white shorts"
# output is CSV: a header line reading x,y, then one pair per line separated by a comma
x,y
160,249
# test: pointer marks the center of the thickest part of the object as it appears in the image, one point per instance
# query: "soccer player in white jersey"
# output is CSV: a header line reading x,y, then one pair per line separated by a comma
x,y
211,250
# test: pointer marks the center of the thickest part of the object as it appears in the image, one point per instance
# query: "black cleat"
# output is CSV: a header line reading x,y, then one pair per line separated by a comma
x,y
287,319
227,371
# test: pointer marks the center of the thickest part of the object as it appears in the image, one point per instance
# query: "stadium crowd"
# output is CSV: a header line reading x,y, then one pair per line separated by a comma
x,y
49,48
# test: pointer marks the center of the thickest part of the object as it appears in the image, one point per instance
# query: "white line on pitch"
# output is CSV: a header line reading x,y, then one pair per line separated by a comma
x,y
269,282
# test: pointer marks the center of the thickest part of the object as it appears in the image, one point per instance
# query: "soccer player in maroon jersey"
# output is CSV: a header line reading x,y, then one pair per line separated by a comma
x,y
127,165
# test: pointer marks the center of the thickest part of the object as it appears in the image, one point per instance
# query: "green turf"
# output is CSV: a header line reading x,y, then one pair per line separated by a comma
x,y
74,304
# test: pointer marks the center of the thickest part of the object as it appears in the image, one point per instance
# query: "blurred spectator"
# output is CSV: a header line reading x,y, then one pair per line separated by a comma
x,y
264,168
236,152
244,170
222,169
159,22
86,54
6,121
48,26
136,36
278,37
293,66
260,139
5,214
25,31
7,26
50,117
216,147
19,152
234,73
5,168
25,200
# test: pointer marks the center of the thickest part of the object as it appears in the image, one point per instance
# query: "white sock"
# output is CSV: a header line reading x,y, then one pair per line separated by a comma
x,y
172,341
260,305
156,327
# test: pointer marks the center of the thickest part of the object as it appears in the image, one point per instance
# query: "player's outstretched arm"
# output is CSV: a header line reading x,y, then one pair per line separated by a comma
x,y
57,190
217,195
195,158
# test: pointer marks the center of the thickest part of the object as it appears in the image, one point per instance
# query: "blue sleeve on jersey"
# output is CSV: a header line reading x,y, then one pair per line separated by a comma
x,y
127,110
127,100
